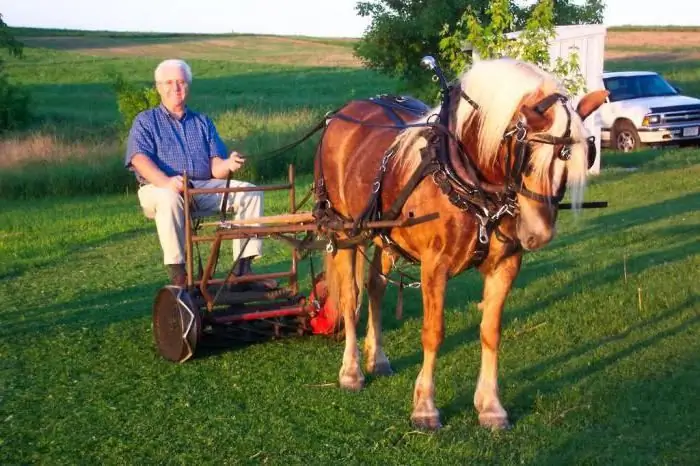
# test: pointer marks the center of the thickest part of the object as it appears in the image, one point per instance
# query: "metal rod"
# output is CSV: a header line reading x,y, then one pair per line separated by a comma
x,y
189,260
292,191
290,311
244,232
251,277
301,217
243,189
585,205
208,271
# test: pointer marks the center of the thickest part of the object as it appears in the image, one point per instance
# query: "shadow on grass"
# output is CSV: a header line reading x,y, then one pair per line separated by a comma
x,y
606,225
619,166
538,378
469,286
93,311
19,270
648,421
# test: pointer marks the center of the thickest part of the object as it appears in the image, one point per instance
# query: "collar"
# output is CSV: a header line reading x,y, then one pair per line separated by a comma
x,y
169,114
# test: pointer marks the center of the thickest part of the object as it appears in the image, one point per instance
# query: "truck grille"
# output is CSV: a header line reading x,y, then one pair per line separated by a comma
x,y
679,114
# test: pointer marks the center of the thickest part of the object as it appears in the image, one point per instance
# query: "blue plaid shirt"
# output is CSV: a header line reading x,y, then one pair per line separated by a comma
x,y
175,146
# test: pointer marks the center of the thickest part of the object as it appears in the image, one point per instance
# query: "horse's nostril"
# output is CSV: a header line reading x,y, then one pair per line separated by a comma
x,y
531,242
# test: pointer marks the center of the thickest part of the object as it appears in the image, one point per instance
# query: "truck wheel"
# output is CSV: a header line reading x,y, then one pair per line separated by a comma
x,y
625,137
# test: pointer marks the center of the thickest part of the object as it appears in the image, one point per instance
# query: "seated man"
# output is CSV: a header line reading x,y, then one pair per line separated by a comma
x,y
171,139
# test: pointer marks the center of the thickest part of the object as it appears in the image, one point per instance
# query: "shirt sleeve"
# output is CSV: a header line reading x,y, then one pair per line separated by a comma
x,y
217,148
140,140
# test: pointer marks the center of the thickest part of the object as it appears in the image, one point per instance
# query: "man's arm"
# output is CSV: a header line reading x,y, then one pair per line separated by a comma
x,y
154,175
139,145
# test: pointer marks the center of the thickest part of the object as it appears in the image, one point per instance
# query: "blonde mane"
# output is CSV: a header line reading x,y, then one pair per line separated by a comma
x,y
498,87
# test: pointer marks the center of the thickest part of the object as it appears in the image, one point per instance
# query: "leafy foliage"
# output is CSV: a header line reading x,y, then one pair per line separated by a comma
x,y
14,101
132,100
403,31
8,41
14,105
532,44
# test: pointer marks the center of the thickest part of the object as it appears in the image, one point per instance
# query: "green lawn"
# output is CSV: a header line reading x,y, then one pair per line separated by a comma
x,y
588,375
601,332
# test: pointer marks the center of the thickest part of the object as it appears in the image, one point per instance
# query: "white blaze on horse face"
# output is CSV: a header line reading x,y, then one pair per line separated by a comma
x,y
535,224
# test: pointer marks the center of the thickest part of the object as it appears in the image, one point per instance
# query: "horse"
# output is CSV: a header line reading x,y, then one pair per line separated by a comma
x,y
511,145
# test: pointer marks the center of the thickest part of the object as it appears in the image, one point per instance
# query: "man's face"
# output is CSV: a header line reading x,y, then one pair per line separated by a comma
x,y
173,87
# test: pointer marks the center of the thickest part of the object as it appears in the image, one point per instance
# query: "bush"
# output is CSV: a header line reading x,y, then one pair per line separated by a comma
x,y
14,105
132,100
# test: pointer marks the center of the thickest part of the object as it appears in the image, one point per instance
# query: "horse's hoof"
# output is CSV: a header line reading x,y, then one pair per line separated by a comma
x,y
428,423
352,384
381,369
494,421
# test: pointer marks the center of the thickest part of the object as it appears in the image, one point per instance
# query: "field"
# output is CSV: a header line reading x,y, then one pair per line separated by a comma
x,y
601,333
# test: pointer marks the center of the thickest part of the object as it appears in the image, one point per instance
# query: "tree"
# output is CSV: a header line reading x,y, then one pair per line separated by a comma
x,y
532,44
401,32
14,101
8,41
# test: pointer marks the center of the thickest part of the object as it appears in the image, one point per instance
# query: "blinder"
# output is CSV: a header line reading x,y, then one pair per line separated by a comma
x,y
520,165
592,151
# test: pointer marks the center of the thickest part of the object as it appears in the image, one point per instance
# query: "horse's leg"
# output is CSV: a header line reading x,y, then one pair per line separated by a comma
x,y
376,361
497,284
433,282
345,293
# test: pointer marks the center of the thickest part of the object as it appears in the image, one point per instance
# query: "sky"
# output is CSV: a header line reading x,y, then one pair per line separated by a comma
x,y
321,18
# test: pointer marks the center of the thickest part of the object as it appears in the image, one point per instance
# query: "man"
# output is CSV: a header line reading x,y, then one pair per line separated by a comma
x,y
171,139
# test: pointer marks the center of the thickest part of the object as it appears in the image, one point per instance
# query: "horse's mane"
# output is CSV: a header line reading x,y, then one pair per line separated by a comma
x,y
498,87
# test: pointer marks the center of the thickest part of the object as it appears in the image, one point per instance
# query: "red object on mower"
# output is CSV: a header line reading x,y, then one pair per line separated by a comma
x,y
326,319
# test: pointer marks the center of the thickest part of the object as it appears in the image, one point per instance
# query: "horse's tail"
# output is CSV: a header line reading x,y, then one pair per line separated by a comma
x,y
345,283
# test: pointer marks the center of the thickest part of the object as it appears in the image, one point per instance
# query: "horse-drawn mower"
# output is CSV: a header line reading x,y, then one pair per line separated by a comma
x,y
231,306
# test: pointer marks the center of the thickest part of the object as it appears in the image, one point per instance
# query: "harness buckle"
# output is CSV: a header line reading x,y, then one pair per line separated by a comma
x,y
483,236
500,212
376,186
483,233
565,153
520,131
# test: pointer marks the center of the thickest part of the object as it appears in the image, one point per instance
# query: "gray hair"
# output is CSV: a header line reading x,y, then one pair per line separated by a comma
x,y
173,63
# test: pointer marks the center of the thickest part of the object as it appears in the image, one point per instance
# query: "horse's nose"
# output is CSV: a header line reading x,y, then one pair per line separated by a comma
x,y
535,241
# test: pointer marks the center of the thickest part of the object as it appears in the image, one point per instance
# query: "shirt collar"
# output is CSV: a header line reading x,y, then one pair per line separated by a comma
x,y
167,112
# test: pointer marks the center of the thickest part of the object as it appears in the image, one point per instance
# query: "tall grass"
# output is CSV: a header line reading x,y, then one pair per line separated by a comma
x,y
74,147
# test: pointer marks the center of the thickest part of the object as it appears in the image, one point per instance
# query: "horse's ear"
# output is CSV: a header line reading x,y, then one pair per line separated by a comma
x,y
590,102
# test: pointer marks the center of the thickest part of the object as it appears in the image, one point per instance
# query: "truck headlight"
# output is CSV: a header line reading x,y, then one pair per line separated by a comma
x,y
651,120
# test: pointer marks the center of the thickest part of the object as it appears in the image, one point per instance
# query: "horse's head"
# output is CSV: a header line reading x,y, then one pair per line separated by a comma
x,y
530,139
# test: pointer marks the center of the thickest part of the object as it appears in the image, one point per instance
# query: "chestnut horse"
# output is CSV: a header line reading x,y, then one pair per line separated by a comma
x,y
515,140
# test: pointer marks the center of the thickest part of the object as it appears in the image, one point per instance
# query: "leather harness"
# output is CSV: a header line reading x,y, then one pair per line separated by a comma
x,y
487,206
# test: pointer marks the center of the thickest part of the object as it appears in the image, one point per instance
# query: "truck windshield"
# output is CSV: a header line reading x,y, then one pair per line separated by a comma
x,y
635,87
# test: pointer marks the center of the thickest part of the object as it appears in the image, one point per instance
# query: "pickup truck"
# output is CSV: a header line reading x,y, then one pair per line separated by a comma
x,y
644,109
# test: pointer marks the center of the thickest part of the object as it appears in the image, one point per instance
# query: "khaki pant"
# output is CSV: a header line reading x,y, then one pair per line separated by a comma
x,y
167,208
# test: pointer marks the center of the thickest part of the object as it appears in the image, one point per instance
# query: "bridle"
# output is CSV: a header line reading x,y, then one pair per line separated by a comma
x,y
518,144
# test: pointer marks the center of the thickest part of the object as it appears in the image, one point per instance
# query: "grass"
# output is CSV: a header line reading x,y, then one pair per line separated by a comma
x,y
588,376
598,362
258,104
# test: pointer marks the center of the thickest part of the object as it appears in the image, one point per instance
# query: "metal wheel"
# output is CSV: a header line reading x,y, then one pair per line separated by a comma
x,y
625,137
176,324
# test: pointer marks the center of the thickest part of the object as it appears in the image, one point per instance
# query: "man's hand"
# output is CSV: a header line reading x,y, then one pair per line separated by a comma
x,y
176,183
235,161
